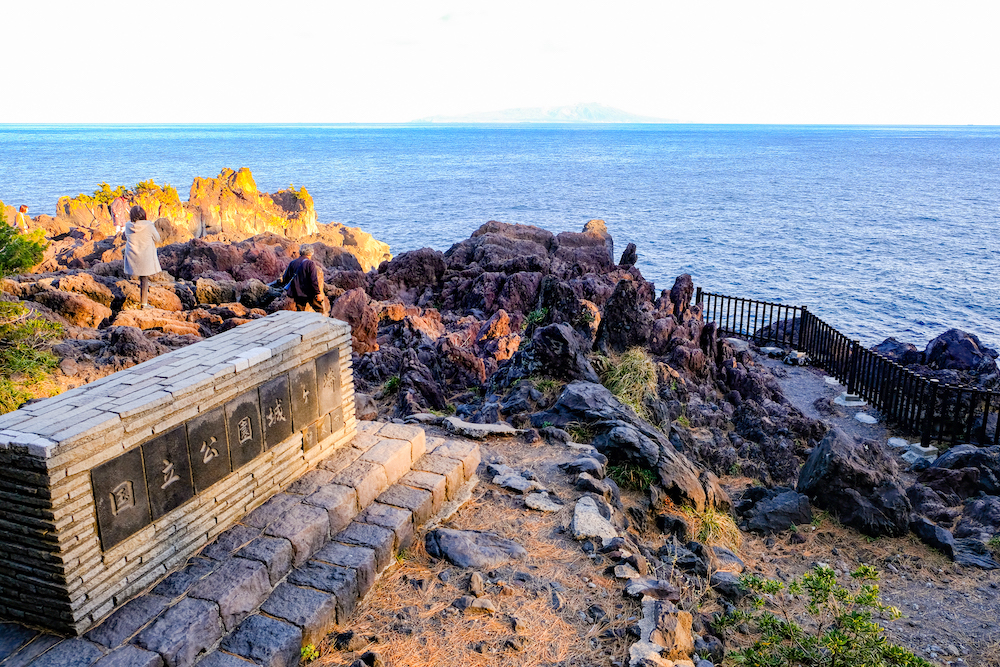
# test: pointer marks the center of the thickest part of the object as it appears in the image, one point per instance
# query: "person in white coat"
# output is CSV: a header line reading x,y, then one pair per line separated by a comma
x,y
141,261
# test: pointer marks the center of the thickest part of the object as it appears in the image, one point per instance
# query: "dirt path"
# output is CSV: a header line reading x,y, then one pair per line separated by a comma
x,y
951,614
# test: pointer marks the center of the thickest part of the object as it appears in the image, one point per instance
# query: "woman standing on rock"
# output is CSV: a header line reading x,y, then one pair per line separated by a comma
x,y
140,250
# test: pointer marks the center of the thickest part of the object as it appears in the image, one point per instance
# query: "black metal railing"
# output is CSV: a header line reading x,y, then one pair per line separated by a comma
x,y
946,413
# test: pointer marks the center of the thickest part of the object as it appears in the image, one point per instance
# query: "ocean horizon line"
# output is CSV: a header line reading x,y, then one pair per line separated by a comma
x,y
429,124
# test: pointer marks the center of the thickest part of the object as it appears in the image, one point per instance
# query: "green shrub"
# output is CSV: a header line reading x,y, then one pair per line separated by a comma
x,y
535,317
309,652
19,252
843,631
24,356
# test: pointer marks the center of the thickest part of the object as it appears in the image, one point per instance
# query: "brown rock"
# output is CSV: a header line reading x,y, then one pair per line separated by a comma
x,y
155,318
87,285
353,307
76,308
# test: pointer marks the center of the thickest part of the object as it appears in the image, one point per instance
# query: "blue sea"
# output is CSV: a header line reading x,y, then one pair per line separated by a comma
x,y
881,231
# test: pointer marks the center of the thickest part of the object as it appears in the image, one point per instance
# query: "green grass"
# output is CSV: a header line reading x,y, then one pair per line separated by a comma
x,y
24,356
994,544
391,386
630,376
582,433
631,477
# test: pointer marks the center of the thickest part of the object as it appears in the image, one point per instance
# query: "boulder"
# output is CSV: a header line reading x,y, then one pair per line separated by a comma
x,y
980,519
857,483
77,308
960,351
902,353
472,548
155,318
933,535
353,307
555,351
984,459
779,513
954,486
589,522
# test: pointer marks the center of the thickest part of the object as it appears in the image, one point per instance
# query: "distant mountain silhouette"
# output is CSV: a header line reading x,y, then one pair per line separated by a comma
x,y
577,113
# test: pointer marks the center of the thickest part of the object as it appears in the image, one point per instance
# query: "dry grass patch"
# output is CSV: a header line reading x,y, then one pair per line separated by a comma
x,y
630,376
408,609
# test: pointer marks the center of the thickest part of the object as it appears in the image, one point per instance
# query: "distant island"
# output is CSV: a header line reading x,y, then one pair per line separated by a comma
x,y
577,113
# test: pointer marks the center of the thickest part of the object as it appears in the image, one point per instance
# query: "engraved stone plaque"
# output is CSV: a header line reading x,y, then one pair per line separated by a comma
x,y
208,447
309,437
323,428
120,496
246,440
168,471
305,402
328,381
275,411
336,419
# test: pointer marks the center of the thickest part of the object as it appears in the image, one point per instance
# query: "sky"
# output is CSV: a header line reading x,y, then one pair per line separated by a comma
x,y
390,61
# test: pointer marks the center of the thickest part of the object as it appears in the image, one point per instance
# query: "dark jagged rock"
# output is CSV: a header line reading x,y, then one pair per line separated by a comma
x,y
622,435
933,535
902,353
980,519
628,317
779,512
972,552
929,503
418,389
555,351
961,351
680,294
954,486
985,459
629,257
857,482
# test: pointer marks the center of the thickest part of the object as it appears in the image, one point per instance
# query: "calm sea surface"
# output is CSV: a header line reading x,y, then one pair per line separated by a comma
x,y
882,231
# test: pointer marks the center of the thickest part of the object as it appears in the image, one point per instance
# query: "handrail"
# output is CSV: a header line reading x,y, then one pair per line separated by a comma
x,y
917,404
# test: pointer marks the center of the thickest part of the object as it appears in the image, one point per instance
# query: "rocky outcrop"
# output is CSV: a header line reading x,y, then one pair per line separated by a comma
x,y
621,435
228,208
857,483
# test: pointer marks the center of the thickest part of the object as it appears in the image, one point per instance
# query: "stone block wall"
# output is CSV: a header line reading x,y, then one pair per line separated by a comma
x,y
105,488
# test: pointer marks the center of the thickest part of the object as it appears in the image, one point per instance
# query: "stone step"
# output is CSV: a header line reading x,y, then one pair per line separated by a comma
x,y
285,574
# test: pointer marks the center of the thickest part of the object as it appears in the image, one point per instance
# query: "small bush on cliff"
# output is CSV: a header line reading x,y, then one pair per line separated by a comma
x,y
630,376
842,631
19,252
104,194
25,359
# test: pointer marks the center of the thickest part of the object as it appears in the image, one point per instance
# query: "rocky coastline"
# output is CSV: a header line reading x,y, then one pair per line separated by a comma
x,y
519,326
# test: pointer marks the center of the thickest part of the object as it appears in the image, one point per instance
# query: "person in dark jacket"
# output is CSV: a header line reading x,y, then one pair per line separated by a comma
x,y
303,282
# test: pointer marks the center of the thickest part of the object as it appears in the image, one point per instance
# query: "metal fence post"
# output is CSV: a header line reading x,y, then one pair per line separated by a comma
x,y
852,374
925,434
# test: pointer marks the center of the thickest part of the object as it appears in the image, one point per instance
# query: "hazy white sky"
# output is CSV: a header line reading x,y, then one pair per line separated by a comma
x,y
329,61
